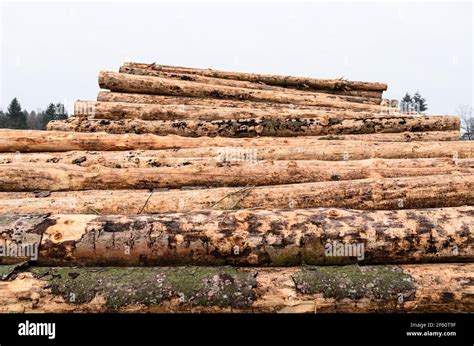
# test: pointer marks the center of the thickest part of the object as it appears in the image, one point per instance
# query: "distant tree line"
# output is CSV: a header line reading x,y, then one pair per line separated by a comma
x,y
17,118
413,104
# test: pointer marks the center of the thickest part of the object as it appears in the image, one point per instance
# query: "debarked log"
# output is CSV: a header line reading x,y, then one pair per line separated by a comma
x,y
310,289
365,194
145,111
107,96
340,147
358,97
123,82
285,81
256,127
66,177
244,237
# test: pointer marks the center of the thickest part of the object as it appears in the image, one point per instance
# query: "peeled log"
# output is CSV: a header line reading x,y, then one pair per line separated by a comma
x,y
366,194
310,289
66,177
285,81
123,82
107,96
242,168
246,237
144,111
334,149
243,84
257,127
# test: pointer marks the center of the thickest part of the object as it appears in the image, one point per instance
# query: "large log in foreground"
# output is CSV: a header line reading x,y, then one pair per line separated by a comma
x,y
337,148
65,177
404,288
365,194
123,82
257,127
246,237
285,81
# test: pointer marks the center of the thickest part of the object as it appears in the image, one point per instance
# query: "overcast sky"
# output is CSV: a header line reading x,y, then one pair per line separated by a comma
x,y
52,52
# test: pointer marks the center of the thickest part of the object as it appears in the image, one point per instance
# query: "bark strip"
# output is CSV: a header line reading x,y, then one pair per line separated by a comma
x,y
404,288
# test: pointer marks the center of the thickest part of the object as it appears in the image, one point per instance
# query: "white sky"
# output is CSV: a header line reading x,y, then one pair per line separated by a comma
x,y
52,52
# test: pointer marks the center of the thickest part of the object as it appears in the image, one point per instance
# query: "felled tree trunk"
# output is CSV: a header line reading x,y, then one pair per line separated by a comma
x,y
285,81
334,149
404,288
123,82
107,96
247,237
367,194
240,84
64,177
145,111
256,127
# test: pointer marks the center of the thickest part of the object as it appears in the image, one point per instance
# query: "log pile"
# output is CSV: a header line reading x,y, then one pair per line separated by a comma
x,y
197,190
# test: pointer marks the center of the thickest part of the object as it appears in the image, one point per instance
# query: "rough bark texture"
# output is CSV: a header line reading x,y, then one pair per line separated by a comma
x,y
243,84
67,177
145,111
257,127
285,81
247,237
363,147
366,194
404,288
122,82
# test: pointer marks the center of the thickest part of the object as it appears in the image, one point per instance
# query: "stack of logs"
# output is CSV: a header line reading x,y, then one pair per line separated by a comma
x,y
297,195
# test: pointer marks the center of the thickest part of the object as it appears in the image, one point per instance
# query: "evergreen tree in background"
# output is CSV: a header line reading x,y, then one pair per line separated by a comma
x,y
53,112
420,101
16,118
407,99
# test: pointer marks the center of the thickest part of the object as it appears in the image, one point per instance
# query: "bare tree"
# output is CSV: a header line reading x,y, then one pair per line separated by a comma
x,y
467,121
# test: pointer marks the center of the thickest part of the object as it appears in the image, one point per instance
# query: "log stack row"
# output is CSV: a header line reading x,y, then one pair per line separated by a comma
x,y
184,189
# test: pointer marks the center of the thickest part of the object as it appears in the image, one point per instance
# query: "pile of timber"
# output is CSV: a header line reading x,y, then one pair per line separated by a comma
x,y
197,190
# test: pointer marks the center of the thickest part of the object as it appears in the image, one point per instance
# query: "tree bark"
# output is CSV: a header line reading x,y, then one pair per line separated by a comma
x,y
246,237
241,84
366,194
405,288
266,148
144,111
240,128
66,177
122,82
285,81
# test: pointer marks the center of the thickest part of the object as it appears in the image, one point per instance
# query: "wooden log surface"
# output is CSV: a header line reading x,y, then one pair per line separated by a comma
x,y
244,84
122,82
152,159
253,127
244,237
145,111
67,177
365,194
310,289
286,81
108,96
359,146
